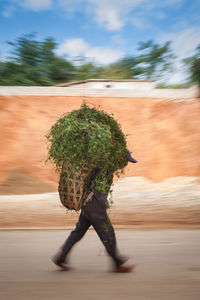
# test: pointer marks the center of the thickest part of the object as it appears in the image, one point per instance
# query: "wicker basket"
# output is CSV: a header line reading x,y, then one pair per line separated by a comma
x,y
71,187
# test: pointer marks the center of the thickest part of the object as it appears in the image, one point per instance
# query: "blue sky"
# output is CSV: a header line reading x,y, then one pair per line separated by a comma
x,y
104,30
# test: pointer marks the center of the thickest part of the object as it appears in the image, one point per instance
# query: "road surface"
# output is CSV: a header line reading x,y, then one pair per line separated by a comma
x,y
167,266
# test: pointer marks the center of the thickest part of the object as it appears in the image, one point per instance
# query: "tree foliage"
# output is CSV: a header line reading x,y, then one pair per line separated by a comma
x,y
87,71
154,59
34,62
151,62
193,64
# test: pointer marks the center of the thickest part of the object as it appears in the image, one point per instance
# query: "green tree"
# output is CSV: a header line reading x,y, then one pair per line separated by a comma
x,y
125,68
87,71
26,50
193,64
52,66
151,62
116,71
154,59
35,63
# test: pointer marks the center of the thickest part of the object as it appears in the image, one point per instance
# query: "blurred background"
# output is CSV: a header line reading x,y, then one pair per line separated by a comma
x,y
139,61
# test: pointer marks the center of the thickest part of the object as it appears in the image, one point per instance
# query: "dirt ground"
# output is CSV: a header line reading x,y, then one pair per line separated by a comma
x,y
167,266
137,203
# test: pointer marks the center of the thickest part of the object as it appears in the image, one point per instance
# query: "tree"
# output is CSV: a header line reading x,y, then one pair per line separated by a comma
x,y
35,63
87,71
125,68
193,64
115,71
26,50
151,62
155,59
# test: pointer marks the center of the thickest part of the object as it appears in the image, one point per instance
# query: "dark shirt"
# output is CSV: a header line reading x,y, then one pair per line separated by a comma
x,y
90,185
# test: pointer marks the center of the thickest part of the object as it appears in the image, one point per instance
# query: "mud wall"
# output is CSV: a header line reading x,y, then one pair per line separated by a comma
x,y
162,133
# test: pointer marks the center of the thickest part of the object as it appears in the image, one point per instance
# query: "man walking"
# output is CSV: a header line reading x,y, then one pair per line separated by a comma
x,y
95,213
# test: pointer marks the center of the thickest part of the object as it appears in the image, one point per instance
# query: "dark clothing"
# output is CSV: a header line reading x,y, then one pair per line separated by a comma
x,y
94,213
90,185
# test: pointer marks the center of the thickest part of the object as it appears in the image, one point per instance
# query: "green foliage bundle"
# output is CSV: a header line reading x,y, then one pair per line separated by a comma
x,y
88,137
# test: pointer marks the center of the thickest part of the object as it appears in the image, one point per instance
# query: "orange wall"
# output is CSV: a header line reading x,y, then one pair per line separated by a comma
x,y
163,135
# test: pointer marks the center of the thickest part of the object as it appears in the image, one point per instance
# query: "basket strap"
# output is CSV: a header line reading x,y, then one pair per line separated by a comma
x,y
88,198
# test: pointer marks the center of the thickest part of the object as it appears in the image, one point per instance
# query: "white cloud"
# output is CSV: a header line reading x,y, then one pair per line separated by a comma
x,y
184,42
113,14
36,5
104,55
183,45
108,14
73,48
31,5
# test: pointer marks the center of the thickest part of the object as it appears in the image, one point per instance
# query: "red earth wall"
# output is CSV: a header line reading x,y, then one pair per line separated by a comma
x,y
162,134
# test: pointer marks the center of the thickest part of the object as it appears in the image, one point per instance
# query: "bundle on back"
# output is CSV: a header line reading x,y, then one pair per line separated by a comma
x,y
80,141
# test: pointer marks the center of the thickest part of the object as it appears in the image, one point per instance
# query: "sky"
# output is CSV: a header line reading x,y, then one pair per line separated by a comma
x,y
104,31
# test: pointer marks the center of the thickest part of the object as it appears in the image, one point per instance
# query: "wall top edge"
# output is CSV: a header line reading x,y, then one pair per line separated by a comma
x,y
191,92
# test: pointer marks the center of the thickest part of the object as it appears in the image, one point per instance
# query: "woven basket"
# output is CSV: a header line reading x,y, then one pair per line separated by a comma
x,y
71,187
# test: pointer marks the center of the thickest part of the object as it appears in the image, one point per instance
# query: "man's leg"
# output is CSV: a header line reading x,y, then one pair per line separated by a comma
x,y
95,211
75,236
105,231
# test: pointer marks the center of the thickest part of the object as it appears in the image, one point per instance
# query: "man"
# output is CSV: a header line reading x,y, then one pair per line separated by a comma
x,y
94,213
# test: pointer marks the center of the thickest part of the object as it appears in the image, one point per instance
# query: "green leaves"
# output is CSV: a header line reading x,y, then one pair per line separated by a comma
x,y
35,63
90,137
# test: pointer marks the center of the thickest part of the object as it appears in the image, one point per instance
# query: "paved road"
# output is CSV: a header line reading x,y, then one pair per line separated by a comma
x,y
168,267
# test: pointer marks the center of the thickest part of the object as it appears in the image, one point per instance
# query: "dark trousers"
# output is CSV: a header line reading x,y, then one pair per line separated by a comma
x,y
95,214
